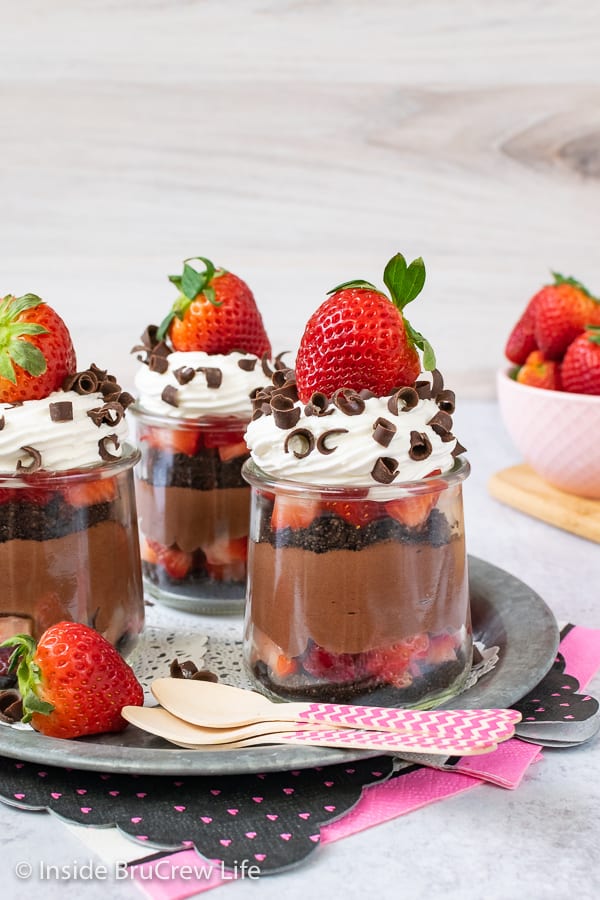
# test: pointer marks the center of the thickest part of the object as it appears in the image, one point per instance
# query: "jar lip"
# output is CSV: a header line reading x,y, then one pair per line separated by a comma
x,y
255,476
224,422
104,469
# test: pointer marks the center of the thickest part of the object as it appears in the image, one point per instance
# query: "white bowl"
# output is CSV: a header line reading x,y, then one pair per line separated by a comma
x,y
557,432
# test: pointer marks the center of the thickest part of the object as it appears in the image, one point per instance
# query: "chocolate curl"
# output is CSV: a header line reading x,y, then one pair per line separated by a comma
x,y
318,405
169,395
61,411
257,414
247,365
383,431
423,389
184,374
149,339
366,394
11,706
458,449
385,470
442,433
109,414
264,362
284,386
322,446
304,440
402,400
348,402
125,399
190,670
105,454
36,460
420,446
437,382
213,376
442,419
279,364
81,382
286,415
158,364
446,401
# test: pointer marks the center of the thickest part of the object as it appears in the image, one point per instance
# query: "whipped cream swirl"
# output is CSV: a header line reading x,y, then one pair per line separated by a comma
x,y
218,385
59,430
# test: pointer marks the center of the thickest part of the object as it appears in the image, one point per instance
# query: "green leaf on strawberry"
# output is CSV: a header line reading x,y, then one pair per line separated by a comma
x,y
593,333
355,283
12,346
561,279
404,282
191,284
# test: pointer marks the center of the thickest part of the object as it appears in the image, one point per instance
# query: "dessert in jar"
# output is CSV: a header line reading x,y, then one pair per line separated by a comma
x,y
69,546
357,570
199,368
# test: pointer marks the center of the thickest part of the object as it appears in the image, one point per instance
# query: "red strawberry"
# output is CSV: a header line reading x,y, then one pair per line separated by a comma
x,y
333,667
36,351
580,368
356,512
562,311
89,493
359,338
412,510
541,372
174,440
176,563
73,682
294,512
521,341
215,312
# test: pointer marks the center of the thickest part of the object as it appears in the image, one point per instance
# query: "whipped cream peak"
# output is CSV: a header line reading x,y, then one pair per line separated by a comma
x,y
81,425
353,438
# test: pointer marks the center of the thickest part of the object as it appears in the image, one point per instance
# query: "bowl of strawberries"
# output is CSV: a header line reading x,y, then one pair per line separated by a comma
x,y
550,396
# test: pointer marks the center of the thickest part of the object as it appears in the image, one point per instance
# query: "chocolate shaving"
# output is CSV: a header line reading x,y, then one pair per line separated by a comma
x,y
190,670
109,414
458,449
125,399
423,389
81,382
257,414
322,446
149,339
11,706
101,374
402,400
383,431
169,395
366,394
442,432
264,362
348,402
247,365
105,454
437,382
161,349
443,419
385,470
318,405
287,389
158,364
286,415
2,422
36,460
304,438
184,374
279,364
61,411
213,376
446,401
420,446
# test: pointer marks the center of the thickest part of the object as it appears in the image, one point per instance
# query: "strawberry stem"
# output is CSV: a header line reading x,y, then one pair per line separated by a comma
x,y
28,675
13,349
561,279
191,284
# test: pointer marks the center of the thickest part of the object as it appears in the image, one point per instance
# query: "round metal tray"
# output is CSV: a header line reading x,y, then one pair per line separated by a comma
x,y
505,612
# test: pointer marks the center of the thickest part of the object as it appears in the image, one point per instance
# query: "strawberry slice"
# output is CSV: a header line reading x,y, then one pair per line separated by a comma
x,y
355,512
150,551
223,437
89,493
412,510
231,451
174,440
227,550
176,563
293,512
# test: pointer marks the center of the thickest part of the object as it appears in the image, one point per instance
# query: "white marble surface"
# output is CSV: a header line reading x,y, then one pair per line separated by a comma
x,y
538,842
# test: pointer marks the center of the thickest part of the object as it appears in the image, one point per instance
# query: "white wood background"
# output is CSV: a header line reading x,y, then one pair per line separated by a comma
x,y
299,144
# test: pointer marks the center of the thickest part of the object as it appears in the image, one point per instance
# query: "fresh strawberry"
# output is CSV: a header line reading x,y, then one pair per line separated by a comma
x,y
441,649
174,440
580,368
355,512
215,312
358,338
333,667
176,563
521,341
232,451
284,666
227,550
73,682
291,511
89,493
539,371
562,311
150,551
412,510
36,351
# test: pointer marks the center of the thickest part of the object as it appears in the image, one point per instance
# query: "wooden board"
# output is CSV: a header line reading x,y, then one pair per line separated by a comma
x,y
521,488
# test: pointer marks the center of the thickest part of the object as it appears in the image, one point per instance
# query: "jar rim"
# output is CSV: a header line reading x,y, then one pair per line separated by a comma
x,y
257,477
224,422
104,469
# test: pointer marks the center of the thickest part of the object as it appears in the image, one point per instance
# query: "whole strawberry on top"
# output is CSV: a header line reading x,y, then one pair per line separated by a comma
x,y
73,682
215,312
580,368
36,351
359,338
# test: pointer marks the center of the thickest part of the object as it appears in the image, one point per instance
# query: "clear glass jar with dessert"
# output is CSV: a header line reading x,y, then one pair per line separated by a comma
x,y
194,509
358,595
69,549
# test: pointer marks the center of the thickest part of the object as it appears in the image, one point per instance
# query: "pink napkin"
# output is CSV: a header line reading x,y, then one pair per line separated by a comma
x,y
505,767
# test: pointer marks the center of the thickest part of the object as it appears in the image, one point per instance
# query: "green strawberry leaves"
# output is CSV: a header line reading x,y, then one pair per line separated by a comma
x,y
358,283
593,334
561,279
191,284
404,282
29,675
13,349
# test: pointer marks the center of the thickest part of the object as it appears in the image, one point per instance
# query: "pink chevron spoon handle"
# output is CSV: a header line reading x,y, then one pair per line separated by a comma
x,y
390,743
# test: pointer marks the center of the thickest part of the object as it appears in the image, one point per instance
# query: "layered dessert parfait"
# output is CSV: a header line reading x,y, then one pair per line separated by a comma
x,y
357,572
198,371
69,546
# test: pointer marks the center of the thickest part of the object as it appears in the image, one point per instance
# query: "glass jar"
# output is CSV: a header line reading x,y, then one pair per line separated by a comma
x,y
358,595
69,550
194,509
